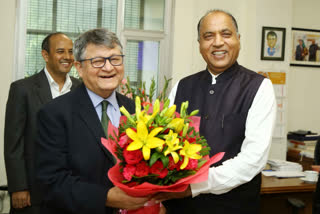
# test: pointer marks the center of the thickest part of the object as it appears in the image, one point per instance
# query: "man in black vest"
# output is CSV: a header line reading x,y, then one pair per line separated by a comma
x,y
237,108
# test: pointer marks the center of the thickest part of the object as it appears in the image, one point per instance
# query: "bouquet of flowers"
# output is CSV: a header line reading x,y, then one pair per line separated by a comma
x,y
158,150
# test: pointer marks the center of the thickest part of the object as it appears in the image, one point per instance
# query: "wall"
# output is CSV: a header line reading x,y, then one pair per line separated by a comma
x,y
304,87
7,24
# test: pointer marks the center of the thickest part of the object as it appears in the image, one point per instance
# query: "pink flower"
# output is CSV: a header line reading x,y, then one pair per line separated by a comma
x,y
192,164
123,141
124,81
132,157
142,169
128,172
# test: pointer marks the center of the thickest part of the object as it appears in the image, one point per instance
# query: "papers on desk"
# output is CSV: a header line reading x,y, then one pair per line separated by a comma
x,y
284,174
284,169
281,165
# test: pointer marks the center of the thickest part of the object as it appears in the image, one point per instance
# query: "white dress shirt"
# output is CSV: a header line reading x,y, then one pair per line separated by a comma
x,y
54,87
254,150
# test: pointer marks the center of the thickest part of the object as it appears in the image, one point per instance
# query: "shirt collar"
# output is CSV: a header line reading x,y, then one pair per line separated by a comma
x,y
214,81
96,99
225,75
67,83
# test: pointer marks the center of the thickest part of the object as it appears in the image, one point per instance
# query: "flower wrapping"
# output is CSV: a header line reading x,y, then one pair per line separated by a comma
x,y
158,150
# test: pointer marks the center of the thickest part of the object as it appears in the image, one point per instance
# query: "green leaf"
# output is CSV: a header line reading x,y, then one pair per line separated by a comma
x,y
154,157
165,160
201,162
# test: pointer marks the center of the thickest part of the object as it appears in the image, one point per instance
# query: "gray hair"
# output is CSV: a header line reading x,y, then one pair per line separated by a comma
x,y
234,21
98,36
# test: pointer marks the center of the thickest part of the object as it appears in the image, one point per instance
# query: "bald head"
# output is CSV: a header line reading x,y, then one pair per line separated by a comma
x,y
234,21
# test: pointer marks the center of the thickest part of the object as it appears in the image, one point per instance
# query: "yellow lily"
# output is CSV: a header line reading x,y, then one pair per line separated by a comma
x,y
173,144
142,139
170,111
143,115
176,124
189,151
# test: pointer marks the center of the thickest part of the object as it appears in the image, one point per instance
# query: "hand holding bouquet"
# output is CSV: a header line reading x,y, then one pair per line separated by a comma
x,y
158,150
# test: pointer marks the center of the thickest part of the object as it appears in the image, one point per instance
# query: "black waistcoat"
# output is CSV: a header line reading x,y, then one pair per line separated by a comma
x,y
223,109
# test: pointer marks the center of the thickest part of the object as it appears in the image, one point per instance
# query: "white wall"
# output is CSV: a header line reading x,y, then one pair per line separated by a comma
x,y
304,87
7,24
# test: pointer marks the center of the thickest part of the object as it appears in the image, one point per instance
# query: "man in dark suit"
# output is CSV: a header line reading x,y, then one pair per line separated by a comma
x,y
72,164
26,96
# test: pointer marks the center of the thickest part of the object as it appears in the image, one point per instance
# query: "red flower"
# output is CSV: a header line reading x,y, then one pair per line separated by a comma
x,y
192,140
145,103
192,164
128,172
163,173
132,157
157,168
172,165
166,131
142,169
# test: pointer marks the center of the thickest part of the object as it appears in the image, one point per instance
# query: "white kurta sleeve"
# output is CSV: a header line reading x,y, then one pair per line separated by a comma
x,y
254,150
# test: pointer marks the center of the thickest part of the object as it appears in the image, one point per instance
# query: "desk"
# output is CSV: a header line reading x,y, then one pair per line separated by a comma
x,y
275,192
294,156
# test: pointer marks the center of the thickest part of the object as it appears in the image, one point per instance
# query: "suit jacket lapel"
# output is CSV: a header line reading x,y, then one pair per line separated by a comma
x,y
90,117
42,88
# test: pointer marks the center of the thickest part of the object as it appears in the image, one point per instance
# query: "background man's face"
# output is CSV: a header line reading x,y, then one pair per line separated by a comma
x,y
102,81
272,41
60,59
219,42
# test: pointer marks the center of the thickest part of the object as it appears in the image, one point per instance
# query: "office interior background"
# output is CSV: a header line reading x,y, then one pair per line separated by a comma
x,y
177,54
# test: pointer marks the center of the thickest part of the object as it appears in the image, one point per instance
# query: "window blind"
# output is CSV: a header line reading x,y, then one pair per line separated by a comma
x,y
71,17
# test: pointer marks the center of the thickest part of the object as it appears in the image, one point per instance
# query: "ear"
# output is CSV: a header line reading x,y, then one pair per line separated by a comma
x,y
78,67
45,55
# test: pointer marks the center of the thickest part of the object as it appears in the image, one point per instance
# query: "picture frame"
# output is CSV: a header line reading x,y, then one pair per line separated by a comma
x,y
305,47
273,43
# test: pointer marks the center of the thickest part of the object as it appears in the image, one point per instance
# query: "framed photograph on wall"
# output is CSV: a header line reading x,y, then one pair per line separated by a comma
x,y
305,47
273,43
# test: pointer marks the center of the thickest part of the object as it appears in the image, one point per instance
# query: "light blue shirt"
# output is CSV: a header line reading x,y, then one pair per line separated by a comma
x,y
113,110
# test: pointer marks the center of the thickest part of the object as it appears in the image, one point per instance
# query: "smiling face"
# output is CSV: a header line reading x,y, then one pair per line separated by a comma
x,y
219,42
272,40
102,81
59,59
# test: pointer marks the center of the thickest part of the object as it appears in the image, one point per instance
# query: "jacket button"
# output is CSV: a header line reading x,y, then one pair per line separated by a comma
x,y
211,91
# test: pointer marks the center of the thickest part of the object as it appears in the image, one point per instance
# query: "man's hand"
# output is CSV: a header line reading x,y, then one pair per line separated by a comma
x,y
163,196
20,199
118,199
316,168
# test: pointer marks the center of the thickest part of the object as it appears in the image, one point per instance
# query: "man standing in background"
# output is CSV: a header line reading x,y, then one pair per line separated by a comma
x,y
26,97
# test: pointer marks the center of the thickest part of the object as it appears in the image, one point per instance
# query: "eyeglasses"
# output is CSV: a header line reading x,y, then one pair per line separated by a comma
x,y
99,62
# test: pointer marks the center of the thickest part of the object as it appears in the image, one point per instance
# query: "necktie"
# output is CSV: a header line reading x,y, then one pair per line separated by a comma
x,y
104,117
